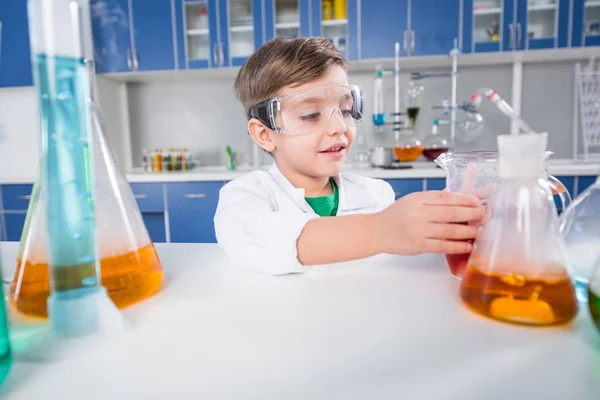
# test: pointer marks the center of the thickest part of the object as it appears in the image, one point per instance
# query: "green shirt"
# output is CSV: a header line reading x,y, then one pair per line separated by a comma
x,y
325,206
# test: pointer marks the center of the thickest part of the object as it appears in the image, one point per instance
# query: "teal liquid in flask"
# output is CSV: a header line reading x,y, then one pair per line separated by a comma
x,y
5,354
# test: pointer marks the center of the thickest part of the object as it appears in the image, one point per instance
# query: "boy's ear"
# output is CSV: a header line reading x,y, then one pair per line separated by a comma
x,y
261,135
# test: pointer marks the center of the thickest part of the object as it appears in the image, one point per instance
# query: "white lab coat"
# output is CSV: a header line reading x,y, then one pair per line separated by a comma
x,y
261,215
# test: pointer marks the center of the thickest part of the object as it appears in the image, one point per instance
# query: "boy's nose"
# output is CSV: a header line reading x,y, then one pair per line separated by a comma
x,y
336,124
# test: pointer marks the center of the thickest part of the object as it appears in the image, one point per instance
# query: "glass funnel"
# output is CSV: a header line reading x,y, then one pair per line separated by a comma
x,y
518,270
130,269
580,227
477,173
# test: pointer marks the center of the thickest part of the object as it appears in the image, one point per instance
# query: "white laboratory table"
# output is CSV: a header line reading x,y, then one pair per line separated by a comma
x,y
381,328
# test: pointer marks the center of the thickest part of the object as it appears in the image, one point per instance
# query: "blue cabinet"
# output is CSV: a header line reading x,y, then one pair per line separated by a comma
x,y
153,48
198,39
402,187
192,208
382,24
14,223
586,27
150,200
15,57
434,25
15,197
583,182
435,183
241,30
506,25
341,30
286,18
111,33
155,225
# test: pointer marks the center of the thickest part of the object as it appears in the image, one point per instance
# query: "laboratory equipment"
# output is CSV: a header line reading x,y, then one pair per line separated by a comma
x,y
518,269
580,227
408,148
413,99
5,350
435,144
477,173
381,156
587,111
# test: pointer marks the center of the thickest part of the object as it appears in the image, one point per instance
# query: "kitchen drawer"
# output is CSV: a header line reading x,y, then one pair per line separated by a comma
x,y
15,197
149,196
402,187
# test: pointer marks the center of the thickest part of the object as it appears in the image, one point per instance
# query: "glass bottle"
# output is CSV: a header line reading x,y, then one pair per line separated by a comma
x,y
435,144
413,98
518,269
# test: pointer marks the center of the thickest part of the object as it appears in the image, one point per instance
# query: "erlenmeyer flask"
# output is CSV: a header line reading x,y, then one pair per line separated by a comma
x,y
517,271
130,267
580,227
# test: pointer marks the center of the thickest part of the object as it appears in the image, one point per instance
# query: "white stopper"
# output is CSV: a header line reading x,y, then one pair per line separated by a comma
x,y
522,156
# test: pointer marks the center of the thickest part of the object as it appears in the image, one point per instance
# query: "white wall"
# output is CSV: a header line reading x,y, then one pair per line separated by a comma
x,y
19,146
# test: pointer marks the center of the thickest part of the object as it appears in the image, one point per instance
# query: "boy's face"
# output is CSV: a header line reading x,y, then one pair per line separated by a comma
x,y
316,154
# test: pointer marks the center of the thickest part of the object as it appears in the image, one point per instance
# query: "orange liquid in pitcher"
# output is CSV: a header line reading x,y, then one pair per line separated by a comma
x,y
128,278
408,153
518,299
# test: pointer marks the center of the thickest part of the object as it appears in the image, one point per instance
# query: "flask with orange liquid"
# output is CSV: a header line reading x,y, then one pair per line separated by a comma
x,y
518,269
130,269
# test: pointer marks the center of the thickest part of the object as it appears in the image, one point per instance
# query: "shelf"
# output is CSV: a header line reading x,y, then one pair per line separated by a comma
x,y
242,28
287,25
595,3
197,32
542,7
335,22
487,11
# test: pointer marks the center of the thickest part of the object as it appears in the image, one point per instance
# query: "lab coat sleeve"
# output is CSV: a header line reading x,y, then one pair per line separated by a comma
x,y
254,234
388,196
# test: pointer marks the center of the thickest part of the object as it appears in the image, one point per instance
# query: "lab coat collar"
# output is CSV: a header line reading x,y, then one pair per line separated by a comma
x,y
351,195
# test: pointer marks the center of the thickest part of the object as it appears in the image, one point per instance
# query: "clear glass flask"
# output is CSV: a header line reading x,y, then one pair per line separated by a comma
x,y
435,144
413,98
518,269
580,227
593,295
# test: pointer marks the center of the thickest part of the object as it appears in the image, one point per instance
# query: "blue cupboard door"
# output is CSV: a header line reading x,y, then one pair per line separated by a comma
x,y
155,225
241,24
434,25
542,25
15,56
13,223
435,183
586,30
402,187
583,182
192,208
154,48
488,25
382,24
286,18
340,29
197,34
111,33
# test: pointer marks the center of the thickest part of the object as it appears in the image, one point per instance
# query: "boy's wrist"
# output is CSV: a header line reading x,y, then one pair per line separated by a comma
x,y
376,232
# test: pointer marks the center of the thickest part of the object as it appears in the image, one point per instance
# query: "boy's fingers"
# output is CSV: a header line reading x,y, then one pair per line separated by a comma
x,y
455,214
447,246
451,231
447,198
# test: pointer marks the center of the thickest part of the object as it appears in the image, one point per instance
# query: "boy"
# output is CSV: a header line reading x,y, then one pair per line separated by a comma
x,y
302,110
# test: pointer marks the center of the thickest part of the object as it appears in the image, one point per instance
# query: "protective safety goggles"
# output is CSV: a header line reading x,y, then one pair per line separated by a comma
x,y
310,110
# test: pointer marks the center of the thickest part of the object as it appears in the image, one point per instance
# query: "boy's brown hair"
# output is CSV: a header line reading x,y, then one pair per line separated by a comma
x,y
282,62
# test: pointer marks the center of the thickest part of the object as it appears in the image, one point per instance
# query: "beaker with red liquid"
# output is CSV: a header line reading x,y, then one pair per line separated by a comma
x,y
476,173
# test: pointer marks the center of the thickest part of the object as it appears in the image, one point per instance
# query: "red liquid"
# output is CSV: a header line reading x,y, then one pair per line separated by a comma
x,y
457,264
432,154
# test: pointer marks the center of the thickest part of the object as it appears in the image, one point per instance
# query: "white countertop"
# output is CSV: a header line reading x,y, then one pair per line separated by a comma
x,y
382,328
420,170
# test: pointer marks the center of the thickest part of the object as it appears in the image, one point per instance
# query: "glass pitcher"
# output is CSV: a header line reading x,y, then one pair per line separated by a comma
x,y
476,173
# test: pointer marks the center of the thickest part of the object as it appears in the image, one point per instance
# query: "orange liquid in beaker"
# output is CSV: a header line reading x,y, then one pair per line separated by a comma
x,y
408,153
514,298
128,278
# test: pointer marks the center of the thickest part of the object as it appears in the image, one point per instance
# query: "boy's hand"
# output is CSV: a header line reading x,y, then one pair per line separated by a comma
x,y
429,222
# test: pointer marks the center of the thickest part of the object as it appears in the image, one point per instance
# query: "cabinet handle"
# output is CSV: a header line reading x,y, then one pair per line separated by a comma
x,y
518,35
139,196
195,195
24,197
511,39
129,59
136,60
216,54
405,43
221,55
412,42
